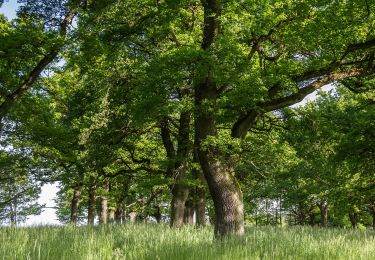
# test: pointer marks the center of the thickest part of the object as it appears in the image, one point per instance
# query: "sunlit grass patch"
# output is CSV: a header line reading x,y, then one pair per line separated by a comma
x,y
143,241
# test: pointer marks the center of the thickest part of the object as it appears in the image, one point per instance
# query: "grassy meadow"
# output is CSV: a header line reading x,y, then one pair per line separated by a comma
x,y
160,242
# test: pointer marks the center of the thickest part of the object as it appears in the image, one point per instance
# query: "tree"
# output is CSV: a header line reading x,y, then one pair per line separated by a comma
x,y
18,190
286,77
239,61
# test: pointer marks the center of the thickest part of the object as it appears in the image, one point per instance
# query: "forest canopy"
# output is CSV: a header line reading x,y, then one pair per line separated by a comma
x,y
182,111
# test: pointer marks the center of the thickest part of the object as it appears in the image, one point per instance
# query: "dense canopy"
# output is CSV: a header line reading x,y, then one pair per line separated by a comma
x,y
181,111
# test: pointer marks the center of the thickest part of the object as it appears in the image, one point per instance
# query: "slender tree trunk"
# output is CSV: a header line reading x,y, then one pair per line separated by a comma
x,y
119,215
180,191
371,207
104,203
199,193
323,214
111,215
91,204
75,205
277,212
157,214
211,216
13,215
300,217
133,217
281,215
312,219
353,219
178,166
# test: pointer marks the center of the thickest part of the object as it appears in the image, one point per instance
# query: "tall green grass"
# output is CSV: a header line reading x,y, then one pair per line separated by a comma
x,y
160,242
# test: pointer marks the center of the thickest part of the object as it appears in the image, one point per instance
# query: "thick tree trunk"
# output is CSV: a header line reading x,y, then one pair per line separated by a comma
x,y
103,210
217,168
104,203
323,214
353,219
91,204
228,201
189,212
224,188
75,205
180,194
200,207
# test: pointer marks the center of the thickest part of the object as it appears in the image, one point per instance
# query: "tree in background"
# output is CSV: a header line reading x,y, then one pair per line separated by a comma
x,y
19,191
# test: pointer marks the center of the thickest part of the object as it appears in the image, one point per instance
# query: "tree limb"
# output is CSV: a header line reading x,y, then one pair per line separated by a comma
x,y
42,64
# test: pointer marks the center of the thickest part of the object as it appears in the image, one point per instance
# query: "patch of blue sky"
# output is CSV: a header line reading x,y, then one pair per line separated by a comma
x,y
9,9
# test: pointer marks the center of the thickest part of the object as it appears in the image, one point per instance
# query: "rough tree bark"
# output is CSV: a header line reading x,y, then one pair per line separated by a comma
x,y
75,205
179,196
218,170
200,207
